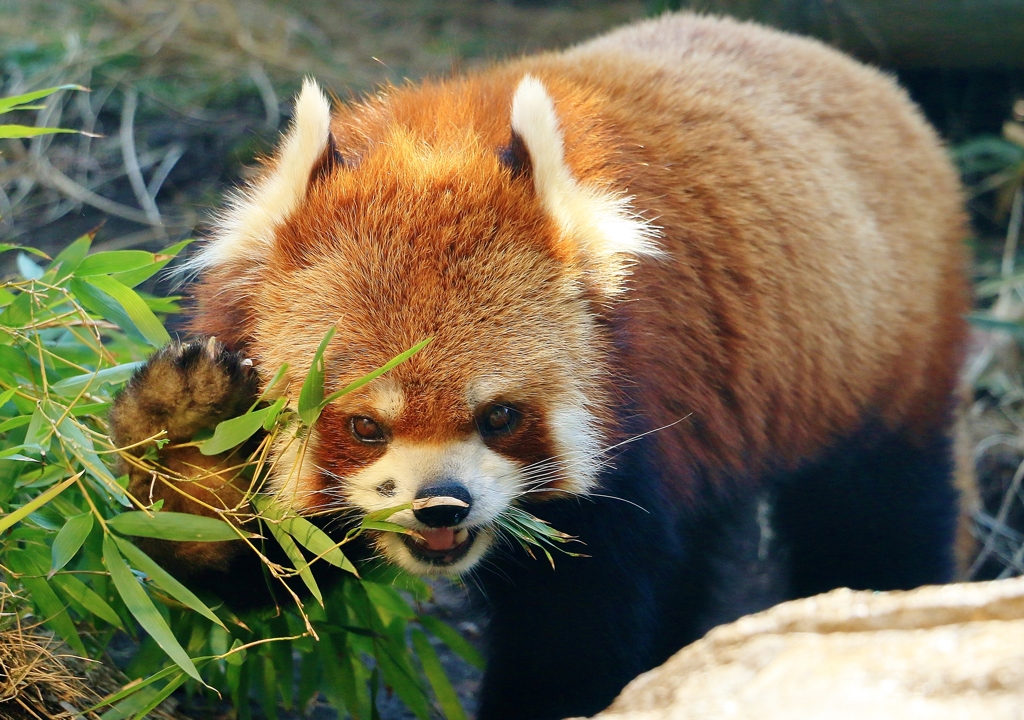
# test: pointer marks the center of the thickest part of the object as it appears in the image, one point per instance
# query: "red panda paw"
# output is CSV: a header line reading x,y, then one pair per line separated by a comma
x,y
182,389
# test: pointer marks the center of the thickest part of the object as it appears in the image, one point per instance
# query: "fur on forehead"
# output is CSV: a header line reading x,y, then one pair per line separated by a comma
x,y
596,223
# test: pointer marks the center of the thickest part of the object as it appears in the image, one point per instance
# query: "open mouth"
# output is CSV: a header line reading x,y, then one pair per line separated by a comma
x,y
440,546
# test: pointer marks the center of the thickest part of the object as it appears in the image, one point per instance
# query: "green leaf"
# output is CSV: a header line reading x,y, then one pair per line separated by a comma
x,y
87,598
131,278
166,525
6,247
311,395
306,533
122,306
385,526
132,688
79,446
6,395
70,539
52,611
235,431
446,696
274,381
237,654
35,503
114,261
70,257
158,697
451,637
10,103
70,387
26,131
390,364
387,512
139,313
142,608
296,558
164,580
985,322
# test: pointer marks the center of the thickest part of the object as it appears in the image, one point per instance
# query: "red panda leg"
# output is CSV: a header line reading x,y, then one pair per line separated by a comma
x,y
182,389
879,512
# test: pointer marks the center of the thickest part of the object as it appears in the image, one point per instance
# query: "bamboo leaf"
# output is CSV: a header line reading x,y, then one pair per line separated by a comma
x,y
132,688
985,322
451,637
138,313
166,525
51,610
159,696
8,104
69,540
164,580
390,364
235,431
142,608
385,526
71,257
35,503
26,131
70,387
87,598
114,261
446,696
306,533
296,558
311,395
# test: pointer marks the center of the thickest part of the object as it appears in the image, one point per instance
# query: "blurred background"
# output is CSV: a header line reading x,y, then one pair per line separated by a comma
x,y
186,94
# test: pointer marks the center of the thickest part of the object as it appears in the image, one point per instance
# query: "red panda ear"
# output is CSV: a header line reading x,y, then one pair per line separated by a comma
x,y
599,221
332,159
245,230
515,156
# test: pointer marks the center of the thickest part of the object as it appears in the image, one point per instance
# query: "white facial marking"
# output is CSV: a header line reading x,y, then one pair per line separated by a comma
x,y
602,221
293,471
387,398
246,228
492,480
577,445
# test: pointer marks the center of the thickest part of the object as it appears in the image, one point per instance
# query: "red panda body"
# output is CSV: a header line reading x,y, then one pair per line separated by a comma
x,y
696,292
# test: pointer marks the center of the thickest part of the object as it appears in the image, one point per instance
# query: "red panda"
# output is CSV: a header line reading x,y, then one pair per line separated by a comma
x,y
696,292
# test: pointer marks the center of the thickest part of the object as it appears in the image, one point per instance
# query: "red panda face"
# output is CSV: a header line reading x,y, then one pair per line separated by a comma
x,y
505,270
505,402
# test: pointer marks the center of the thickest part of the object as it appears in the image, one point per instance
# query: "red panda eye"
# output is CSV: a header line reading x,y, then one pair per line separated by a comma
x,y
366,429
499,420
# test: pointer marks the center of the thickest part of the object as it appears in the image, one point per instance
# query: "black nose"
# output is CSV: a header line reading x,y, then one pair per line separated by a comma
x,y
442,505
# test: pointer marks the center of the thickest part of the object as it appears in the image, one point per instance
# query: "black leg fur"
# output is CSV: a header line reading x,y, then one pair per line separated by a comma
x,y
879,512
565,641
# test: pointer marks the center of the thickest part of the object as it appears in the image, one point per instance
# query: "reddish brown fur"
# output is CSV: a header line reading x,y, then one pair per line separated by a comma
x,y
782,319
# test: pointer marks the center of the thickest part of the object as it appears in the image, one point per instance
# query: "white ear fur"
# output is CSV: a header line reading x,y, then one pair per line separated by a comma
x,y
246,228
602,221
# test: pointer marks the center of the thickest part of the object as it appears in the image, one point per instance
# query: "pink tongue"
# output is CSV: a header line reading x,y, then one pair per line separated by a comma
x,y
439,539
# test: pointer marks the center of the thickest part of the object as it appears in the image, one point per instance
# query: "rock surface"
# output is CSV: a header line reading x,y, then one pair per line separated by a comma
x,y
953,651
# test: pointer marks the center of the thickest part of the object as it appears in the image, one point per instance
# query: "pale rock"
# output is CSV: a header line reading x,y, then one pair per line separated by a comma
x,y
951,652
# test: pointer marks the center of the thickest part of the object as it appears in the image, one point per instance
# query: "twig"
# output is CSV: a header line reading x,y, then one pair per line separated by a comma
x,y
50,176
131,160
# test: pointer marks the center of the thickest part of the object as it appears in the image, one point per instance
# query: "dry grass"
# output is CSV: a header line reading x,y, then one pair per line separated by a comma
x,y
40,679
36,675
